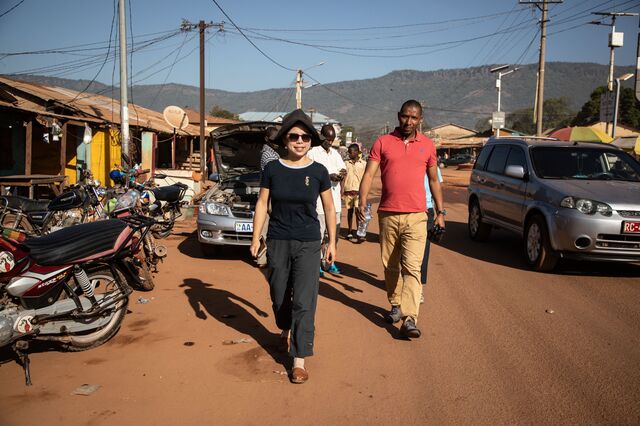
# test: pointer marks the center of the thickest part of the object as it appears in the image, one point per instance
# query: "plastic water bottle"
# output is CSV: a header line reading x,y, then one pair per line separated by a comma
x,y
362,228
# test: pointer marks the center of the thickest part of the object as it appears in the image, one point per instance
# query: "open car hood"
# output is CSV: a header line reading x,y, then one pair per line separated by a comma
x,y
237,147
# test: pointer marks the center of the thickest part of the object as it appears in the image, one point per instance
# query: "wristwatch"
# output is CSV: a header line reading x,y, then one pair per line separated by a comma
x,y
442,212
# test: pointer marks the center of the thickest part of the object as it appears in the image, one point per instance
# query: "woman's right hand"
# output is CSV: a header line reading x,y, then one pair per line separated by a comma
x,y
255,246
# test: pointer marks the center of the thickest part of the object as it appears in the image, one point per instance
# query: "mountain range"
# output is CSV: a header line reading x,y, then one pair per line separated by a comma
x,y
461,96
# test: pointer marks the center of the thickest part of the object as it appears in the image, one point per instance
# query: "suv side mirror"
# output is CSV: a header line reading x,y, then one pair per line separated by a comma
x,y
515,172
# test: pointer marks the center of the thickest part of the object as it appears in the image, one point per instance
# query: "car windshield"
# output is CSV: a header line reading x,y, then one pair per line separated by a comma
x,y
584,164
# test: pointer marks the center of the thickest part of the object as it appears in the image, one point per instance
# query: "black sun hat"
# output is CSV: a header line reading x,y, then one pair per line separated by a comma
x,y
297,117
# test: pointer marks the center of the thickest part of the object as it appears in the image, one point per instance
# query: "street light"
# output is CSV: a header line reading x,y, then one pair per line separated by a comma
x,y
299,83
623,77
499,70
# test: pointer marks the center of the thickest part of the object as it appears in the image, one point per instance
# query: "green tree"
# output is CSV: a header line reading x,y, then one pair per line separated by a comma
x,y
628,109
556,113
218,111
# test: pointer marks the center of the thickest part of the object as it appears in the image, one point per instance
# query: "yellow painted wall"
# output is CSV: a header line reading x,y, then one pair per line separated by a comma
x,y
105,152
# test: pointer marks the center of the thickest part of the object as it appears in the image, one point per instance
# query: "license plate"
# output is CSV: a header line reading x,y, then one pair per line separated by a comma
x,y
631,227
244,226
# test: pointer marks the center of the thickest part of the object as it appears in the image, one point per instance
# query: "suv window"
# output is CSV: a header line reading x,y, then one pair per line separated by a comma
x,y
516,157
482,158
498,159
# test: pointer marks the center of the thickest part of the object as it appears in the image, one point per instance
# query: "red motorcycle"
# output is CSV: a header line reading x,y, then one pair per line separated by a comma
x,y
69,287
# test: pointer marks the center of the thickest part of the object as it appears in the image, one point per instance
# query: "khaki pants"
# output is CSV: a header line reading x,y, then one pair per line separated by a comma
x,y
402,240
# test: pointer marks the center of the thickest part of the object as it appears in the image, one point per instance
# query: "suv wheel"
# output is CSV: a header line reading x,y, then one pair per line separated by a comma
x,y
478,230
540,256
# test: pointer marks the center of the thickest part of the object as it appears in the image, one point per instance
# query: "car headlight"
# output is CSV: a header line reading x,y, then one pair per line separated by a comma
x,y
586,206
215,209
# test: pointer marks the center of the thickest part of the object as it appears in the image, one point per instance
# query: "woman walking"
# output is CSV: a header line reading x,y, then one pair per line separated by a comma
x,y
293,184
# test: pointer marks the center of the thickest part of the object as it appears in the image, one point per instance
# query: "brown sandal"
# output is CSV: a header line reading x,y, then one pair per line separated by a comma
x,y
299,375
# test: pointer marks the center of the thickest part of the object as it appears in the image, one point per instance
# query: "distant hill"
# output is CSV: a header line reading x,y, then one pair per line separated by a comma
x,y
370,104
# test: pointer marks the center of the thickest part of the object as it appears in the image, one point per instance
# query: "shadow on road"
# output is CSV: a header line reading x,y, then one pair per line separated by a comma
x,y
190,246
356,273
506,248
230,310
373,313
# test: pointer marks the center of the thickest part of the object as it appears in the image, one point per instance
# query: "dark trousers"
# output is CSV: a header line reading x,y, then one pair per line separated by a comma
x,y
294,277
425,258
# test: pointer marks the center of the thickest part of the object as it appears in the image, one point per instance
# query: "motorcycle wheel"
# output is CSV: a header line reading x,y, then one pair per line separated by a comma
x,y
12,221
163,231
105,283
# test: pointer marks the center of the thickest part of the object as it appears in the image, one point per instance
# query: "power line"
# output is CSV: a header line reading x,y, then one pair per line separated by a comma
x,y
19,3
250,41
113,19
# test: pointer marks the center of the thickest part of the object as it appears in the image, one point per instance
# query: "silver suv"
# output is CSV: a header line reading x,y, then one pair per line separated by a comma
x,y
576,200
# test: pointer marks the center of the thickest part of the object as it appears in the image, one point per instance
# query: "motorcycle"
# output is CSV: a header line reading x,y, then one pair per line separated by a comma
x,y
77,204
70,286
166,206
127,207
160,202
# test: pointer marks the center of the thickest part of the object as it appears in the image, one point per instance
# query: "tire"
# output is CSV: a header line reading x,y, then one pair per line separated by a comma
x,y
102,277
537,246
209,250
478,230
163,231
10,220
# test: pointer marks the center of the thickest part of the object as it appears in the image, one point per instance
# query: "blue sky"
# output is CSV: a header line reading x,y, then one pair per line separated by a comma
x,y
356,39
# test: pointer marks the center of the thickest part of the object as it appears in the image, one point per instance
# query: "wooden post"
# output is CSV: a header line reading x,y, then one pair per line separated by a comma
x,y
28,152
28,148
173,150
63,150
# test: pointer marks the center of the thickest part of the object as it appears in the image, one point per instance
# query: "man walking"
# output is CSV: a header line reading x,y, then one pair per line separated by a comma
x,y
329,157
403,156
355,169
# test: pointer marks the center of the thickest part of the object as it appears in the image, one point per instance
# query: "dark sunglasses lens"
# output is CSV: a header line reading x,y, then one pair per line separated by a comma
x,y
293,137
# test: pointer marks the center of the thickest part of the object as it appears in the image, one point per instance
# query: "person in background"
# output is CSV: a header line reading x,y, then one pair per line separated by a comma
x,y
355,166
403,156
293,184
427,245
331,159
270,148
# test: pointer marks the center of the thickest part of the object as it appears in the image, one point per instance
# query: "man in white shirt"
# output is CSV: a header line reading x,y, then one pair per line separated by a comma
x,y
331,159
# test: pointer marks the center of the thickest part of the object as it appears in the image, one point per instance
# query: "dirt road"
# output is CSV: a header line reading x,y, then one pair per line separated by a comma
x,y
490,352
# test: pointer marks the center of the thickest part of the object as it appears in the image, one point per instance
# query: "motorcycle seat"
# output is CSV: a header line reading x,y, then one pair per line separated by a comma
x,y
26,205
79,243
171,193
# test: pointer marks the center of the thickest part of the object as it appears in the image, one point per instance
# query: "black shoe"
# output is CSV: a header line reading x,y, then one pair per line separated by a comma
x,y
409,329
394,315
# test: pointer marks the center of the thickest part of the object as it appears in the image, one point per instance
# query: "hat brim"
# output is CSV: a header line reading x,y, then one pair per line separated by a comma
x,y
295,118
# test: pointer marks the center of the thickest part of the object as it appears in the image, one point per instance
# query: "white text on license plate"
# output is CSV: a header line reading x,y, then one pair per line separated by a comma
x,y
631,227
244,226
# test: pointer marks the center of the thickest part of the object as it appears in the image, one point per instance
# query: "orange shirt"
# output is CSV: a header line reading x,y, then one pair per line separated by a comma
x,y
402,167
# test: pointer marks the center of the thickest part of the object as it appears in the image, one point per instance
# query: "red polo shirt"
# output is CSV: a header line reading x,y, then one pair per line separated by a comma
x,y
403,166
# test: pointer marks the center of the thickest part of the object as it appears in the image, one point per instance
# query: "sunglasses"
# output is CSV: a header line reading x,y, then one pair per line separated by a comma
x,y
293,137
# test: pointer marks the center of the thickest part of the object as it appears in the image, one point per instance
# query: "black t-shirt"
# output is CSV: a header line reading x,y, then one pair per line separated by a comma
x,y
294,192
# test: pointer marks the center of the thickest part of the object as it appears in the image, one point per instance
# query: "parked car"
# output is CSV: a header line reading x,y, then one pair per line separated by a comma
x,y
576,200
225,215
457,159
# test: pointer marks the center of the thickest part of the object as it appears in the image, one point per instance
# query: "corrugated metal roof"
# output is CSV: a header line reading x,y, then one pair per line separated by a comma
x,y
276,117
85,107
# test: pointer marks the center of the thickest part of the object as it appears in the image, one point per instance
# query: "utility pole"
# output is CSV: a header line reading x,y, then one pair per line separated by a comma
x,y
299,89
499,116
124,103
543,5
615,40
202,26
